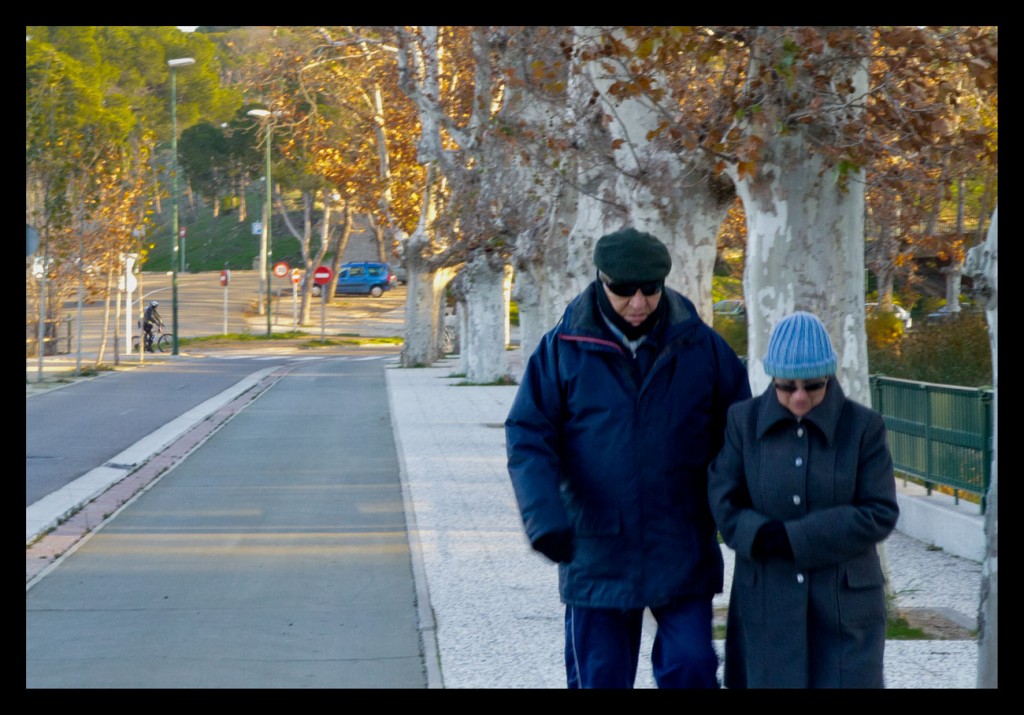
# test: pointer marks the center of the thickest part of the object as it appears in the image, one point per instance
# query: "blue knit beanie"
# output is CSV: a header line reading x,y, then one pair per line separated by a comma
x,y
800,348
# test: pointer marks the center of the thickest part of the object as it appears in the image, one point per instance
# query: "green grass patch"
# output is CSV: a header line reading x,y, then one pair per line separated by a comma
x,y
325,343
898,629
310,340
214,243
354,340
94,370
68,376
394,340
726,287
242,337
503,380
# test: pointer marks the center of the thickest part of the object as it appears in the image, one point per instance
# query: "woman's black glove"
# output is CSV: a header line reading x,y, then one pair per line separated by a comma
x,y
559,546
772,541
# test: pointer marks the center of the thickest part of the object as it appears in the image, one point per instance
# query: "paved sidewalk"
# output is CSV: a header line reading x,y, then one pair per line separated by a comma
x,y
494,611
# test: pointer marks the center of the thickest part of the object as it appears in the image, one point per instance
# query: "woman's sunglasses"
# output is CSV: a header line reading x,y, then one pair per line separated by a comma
x,y
793,387
628,290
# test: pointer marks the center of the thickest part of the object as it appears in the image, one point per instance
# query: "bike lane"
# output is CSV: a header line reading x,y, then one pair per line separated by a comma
x,y
273,554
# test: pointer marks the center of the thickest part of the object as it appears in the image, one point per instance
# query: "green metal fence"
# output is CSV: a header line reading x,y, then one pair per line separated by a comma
x,y
940,434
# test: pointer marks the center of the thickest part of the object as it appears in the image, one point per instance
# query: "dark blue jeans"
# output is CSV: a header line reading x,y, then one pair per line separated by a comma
x,y
602,646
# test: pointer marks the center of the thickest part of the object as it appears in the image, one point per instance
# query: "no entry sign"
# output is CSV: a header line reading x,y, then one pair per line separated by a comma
x,y
322,275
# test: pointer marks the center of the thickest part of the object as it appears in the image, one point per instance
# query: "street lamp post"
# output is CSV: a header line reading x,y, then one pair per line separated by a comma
x,y
174,64
266,250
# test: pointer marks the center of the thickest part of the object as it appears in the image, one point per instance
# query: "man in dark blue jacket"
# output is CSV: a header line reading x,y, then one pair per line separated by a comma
x,y
621,408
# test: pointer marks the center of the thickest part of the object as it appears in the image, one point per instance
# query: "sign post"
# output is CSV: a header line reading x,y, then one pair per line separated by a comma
x,y
225,278
281,271
128,283
322,276
296,279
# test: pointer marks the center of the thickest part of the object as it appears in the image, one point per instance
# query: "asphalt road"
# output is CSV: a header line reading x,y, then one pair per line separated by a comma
x,y
71,431
275,555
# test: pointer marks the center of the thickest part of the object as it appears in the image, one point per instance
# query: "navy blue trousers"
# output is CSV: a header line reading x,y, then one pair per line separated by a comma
x,y
602,646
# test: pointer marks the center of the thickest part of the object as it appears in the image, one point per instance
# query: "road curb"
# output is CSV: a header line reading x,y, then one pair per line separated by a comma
x,y
44,552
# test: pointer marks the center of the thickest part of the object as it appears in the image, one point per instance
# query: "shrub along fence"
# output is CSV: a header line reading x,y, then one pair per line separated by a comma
x,y
940,434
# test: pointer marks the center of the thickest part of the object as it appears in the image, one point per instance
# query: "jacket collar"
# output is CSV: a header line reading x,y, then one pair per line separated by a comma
x,y
583,317
825,416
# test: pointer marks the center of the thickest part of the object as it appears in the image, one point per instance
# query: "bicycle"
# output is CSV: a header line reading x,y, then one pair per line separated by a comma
x,y
162,341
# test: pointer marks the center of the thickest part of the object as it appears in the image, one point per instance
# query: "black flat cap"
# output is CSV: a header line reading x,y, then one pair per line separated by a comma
x,y
631,256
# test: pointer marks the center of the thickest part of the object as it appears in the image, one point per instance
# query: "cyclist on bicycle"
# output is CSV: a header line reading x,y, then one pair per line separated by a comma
x,y
150,318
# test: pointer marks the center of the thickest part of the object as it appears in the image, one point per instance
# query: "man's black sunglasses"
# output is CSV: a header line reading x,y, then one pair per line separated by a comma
x,y
628,290
808,386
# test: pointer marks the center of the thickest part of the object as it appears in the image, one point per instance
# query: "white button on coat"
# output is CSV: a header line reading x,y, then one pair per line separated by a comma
x,y
796,499
799,461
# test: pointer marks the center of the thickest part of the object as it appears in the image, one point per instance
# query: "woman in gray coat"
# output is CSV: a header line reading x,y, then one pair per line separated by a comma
x,y
802,491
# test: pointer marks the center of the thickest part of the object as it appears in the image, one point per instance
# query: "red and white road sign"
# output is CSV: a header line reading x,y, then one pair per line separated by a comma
x,y
280,269
181,232
296,276
225,277
322,275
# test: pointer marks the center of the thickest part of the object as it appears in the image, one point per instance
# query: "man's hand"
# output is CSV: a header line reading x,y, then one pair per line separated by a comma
x,y
559,546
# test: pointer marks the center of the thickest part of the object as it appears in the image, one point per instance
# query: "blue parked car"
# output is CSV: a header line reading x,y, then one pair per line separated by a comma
x,y
363,277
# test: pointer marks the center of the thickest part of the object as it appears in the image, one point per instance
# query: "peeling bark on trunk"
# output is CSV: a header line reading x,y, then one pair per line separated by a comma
x,y
420,321
461,327
953,274
419,60
598,212
654,189
543,283
539,309
483,343
668,195
424,305
691,237
983,266
805,251
542,286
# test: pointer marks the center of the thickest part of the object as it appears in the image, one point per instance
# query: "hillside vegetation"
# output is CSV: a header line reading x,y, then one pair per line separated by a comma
x,y
214,243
